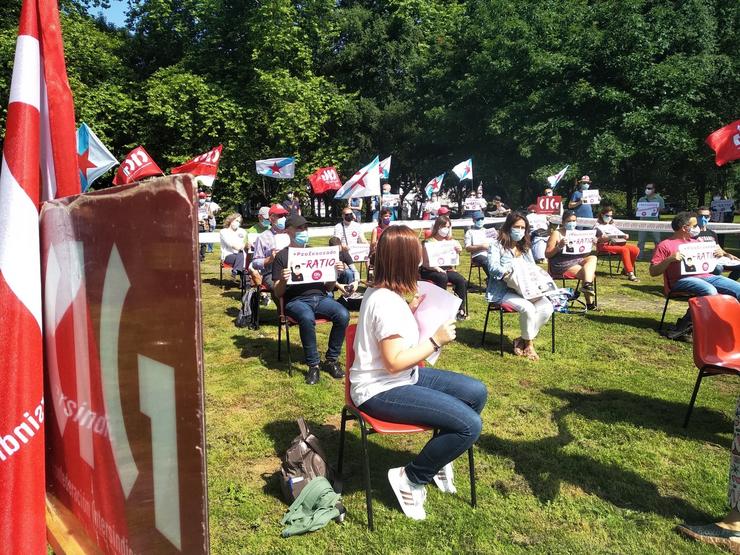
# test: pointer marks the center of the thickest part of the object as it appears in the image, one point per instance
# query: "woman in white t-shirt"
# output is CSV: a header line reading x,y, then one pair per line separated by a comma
x,y
388,383
234,243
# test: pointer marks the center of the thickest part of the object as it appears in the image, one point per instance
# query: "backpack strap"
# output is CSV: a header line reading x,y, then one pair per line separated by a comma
x,y
303,427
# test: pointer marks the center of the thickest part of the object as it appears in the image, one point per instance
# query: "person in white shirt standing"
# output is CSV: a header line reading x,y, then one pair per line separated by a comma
x,y
651,195
387,381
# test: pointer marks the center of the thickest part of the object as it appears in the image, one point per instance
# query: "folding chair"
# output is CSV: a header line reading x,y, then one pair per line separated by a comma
x,y
568,276
370,425
601,254
716,334
668,294
474,264
503,308
287,321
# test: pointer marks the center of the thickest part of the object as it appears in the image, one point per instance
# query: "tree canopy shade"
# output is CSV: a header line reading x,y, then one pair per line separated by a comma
x,y
624,90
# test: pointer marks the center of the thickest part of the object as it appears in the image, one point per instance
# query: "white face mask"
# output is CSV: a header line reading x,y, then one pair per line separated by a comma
x,y
649,192
443,231
694,231
517,234
235,225
606,218
716,197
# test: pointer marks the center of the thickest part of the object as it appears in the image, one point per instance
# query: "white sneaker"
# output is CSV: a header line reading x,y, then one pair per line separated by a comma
x,y
444,478
410,496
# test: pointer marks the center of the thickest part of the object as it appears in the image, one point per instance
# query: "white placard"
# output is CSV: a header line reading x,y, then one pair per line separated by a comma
x,y
389,201
252,237
722,205
647,209
310,265
443,253
437,307
282,240
491,233
529,280
359,252
471,204
612,232
591,196
698,257
538,221
579,241
727,262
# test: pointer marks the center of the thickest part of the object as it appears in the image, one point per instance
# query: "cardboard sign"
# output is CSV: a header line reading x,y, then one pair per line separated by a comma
x,y
591,196
529,280
698,257
124,406
442,253
359,252
472,204
722,205
647,209
549,205
310,265
389,201
579,241
437,307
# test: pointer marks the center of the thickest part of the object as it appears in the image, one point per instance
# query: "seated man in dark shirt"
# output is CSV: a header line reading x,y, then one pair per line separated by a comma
x,y
305,302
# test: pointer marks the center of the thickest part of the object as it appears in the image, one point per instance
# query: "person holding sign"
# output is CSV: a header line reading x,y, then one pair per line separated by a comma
x,y
609,239
442,274
651,195
575,263
514,243
576,201
706,234
388,200
305,301
478,240
266,246
388,382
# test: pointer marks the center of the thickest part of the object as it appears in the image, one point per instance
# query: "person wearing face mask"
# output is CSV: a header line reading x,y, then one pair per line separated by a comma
x,y
348,230
576,201
706,234
514,242
442,275
609,239
499,208
540,226
477,241
263,221
234,242
387,200
651,195
304,302
548,191
583,267
265,247
667,259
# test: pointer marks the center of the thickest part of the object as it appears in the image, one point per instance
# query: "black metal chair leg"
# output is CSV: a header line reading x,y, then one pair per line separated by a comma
x,y
553,331
501,331
693,398
471,464
342,433
366,472
610,265
662,318
287,348
280,342
485,325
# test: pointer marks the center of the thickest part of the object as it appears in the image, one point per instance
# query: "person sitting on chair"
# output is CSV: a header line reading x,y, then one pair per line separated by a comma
x,y
477,241
514,242
234,244
442,275
388,382
611,240
305,301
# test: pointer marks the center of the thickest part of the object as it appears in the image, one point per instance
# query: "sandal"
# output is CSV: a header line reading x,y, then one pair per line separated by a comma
x,y
531,354
519,347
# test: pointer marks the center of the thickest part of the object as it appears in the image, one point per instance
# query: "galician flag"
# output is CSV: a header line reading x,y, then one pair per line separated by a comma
x,y
277,168
93,158
464,170
434,185
365,183
553,180
385,168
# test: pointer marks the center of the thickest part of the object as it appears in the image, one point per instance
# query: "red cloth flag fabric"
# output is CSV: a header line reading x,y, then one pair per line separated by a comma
x,y
325,179
39,162
725,142
205,166
137,165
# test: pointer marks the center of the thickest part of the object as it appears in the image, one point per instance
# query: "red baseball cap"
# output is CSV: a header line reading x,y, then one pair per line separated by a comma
x,y
202,195
442,211
277,210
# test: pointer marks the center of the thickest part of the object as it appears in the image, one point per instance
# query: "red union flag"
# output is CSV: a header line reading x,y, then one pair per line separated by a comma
x,y
548,205
204,167
725,143
325,179
39,162
137,165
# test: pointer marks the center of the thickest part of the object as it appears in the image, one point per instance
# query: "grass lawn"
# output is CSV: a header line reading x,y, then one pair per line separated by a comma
x,y
582,452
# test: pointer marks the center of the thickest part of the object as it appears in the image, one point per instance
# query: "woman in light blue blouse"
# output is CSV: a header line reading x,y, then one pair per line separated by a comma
x,y
514,242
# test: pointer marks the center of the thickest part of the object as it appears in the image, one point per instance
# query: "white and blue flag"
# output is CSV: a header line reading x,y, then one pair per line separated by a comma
x,y
464,170
93,159
277,168
365,183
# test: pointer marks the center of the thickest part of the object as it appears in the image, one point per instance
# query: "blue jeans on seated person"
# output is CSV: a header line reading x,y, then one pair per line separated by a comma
x,y
711,285
348,276
447,401
305,310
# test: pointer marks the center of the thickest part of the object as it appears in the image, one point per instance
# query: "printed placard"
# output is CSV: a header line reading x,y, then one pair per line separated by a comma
x,y
591,196
538,221
437,306
722,205
491,233
529,280
549,205
698,257
472,204
612,232
727,262
579,241
311,265
442,253
389,201
647,209
359,252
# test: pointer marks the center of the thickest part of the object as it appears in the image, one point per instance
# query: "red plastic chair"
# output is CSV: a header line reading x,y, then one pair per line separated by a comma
x,y
503,308
716,320
668,294
370,425
287,321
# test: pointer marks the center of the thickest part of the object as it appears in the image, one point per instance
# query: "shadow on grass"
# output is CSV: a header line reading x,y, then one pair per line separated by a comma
x,y
634,321
645,288
265,348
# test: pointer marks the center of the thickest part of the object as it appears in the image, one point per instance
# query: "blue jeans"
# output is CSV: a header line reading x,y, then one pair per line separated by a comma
x,y
711,285
304,310
440,399
348,275
642,238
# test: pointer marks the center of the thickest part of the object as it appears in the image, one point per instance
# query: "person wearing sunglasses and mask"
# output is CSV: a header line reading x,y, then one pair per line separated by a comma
x,y
651,195
478,240
705,234
349,231
514,242
442,275
610,239
304,302
583,267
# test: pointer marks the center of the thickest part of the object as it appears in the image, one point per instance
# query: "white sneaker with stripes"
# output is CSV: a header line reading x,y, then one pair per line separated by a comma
x,y
444,478
410,496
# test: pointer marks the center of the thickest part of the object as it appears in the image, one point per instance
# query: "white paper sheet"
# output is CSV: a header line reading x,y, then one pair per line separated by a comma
x,y
437,308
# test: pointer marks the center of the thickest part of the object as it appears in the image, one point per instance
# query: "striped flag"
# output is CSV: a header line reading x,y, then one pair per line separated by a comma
x,y
434,185
277,168
203,167
365,183
40,135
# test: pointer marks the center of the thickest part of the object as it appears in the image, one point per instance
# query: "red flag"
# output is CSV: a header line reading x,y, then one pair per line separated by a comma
x,y
725,142
204,166
137,165
325,179
39,162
